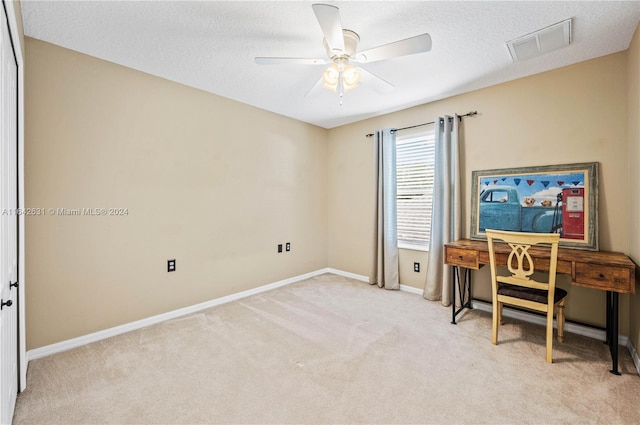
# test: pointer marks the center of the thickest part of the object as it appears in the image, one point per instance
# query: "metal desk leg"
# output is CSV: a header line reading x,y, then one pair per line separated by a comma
x,y
464,286
612,329
454,273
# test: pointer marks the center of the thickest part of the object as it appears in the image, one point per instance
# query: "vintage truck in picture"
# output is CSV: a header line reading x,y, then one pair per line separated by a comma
x,y
501,208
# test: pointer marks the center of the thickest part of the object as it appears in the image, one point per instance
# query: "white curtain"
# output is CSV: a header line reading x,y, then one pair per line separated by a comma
x,y
445,213
385,251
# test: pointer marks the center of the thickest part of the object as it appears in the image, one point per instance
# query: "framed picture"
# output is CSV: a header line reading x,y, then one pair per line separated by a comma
x,y
546,199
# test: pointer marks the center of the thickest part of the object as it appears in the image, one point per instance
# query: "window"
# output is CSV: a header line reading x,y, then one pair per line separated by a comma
x,y
415,167
496,196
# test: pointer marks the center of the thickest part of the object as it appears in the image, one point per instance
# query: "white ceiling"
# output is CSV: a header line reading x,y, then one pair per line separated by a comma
x,y
211,45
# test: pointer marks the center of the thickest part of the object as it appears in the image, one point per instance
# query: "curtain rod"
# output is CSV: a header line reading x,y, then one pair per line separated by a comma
x,y
393,130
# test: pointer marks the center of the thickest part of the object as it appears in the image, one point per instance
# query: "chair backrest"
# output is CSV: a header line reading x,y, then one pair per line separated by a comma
x,y
519,262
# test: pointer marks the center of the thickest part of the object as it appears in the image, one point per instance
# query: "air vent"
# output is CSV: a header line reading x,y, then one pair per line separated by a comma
x,y
540,42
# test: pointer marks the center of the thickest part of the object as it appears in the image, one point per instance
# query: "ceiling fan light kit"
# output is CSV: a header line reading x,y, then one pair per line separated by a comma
x,y
340,77
341,46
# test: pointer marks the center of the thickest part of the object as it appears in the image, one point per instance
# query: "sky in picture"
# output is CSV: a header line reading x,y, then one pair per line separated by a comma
x,y
538,186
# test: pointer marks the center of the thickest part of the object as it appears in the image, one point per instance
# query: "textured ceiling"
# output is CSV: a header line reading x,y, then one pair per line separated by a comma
x,y
211,45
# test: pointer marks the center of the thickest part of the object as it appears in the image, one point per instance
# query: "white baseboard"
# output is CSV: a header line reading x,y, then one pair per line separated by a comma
x,y
411,290
634,355
58,347
362,278
348,274
539,320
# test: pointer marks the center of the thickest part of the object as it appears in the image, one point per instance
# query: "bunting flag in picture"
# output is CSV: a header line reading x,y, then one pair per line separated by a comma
x,y
539,186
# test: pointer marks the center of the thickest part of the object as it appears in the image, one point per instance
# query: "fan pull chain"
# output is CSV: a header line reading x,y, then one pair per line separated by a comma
x,y
340,85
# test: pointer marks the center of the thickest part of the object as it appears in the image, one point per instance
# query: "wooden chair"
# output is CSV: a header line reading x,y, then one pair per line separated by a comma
x,y
519,289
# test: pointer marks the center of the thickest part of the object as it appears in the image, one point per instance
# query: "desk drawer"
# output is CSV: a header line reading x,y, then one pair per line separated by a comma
x,y
608,278
461,257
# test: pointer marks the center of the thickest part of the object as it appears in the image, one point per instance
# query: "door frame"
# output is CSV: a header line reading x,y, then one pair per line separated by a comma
x,y
15,32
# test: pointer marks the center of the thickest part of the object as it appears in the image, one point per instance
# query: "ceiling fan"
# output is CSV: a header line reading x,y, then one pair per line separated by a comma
x,y
341,46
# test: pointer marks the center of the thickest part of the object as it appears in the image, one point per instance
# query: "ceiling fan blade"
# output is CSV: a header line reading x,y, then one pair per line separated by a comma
x,y
373,81
408,46
329,19
295,61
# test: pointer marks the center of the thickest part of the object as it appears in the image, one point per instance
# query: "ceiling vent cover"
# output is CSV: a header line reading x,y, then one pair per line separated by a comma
x,y
540,42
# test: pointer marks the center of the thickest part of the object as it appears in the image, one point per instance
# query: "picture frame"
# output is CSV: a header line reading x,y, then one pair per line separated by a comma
x,y
545,199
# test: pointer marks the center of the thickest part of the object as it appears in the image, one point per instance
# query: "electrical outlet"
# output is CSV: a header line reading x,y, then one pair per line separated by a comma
x,y
279,248
416,267
171,265
288,246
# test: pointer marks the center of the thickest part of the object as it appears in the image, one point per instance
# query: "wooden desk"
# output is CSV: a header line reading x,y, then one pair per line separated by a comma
x,y
612,272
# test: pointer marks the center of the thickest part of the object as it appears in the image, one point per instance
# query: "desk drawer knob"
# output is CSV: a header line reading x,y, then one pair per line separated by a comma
x,y
601,276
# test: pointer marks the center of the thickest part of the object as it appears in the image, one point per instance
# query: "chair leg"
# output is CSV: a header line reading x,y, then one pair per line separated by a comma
x,y
500,313
496,321
560,317
549,334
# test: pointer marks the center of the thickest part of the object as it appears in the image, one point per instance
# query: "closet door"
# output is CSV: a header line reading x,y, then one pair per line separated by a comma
x,y
8,225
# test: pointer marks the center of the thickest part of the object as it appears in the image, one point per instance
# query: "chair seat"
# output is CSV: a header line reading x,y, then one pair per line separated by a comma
x,y
531,294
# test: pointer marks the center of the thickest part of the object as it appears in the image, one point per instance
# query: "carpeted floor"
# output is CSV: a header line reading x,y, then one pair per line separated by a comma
x,y
331,350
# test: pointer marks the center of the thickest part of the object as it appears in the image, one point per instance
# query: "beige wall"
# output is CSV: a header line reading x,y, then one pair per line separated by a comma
x,y
213,183
573,114
634,174
219,198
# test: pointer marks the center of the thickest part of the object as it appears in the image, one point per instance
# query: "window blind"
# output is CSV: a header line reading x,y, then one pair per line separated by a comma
x,y
415,168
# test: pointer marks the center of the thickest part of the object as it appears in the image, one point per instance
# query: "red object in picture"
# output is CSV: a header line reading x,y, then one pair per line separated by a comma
x,y
573,213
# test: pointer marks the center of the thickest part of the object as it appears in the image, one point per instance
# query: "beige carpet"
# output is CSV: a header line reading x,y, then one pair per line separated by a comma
x,y
331,350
